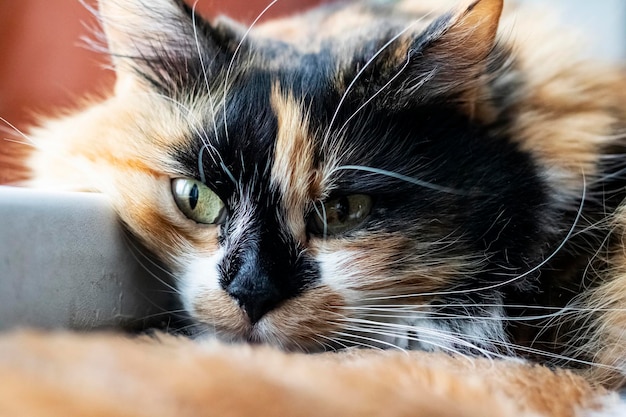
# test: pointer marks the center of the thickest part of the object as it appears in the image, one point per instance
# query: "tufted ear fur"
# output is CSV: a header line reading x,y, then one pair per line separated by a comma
x,y
453,51
444,61
163,42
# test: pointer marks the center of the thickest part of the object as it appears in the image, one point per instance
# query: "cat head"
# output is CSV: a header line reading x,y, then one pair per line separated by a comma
x,y
315,182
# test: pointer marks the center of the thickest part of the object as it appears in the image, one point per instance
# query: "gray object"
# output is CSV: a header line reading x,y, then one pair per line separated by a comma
x,y
602,23
65,262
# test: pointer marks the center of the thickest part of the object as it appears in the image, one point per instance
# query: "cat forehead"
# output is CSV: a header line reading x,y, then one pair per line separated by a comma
x,y
321,48
345,26
262,134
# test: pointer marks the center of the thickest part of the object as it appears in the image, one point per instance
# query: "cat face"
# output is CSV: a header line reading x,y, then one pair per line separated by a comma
x,y
360,187
320,194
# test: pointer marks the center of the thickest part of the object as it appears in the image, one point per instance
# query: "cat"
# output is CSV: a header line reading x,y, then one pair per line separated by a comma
x,y
405,174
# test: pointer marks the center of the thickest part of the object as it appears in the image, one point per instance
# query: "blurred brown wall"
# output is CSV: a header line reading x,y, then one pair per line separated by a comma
x,y
43,67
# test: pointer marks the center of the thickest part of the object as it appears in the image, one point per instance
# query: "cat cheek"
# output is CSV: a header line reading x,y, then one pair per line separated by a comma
x,y
200,276
339,272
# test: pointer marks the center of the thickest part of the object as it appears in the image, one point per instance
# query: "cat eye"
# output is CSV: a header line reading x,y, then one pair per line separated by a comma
x,y
198,202
339,215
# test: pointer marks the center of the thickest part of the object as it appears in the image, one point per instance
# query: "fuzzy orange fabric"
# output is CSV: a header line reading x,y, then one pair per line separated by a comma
x,y
64,374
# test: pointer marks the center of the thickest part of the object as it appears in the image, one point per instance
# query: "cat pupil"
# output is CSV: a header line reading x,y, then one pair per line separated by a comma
x,y
340,214
342,209
193,196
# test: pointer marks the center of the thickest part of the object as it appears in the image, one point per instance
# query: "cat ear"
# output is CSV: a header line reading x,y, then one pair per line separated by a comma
x,y
454,50
160,41
449,57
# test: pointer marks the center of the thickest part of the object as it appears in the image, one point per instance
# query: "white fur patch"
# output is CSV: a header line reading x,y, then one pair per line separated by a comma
x,y
201,275
338,272
244,220
613,405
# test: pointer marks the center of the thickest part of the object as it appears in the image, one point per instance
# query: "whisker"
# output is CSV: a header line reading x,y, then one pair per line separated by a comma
x,y
408,307
509,281
357,344
437,315
18,131
331,341
325,346
595,256
552,355
388,328
405,178
361,72
380,90
165,312
204,69
404,336
134,251
375,342
19,142
424,330
232,61
194,123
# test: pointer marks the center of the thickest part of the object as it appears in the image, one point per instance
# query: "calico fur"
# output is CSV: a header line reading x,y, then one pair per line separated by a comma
x,y
107,375
492,153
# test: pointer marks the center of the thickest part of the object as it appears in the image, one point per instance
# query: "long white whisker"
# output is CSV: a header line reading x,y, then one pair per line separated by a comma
x,y
401,177
510,281
369,339
557,356
409,308
350,342
204,70
19,142
332,341
18,131
232,61
440,334
360,73
194,123
380,90
134,251
437,315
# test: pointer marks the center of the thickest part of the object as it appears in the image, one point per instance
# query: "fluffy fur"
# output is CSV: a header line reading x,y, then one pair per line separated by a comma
x,y
106,375
487,156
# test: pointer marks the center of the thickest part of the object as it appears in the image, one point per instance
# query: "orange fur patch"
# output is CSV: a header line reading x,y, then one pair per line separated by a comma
x,y
106,375
605,315
293,171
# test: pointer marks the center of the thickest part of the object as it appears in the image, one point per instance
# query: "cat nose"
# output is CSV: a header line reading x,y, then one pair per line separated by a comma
x,y
254,300
254,290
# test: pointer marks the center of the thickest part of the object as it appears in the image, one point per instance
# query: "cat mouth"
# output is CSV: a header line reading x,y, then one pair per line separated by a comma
x,y
252,334
302,323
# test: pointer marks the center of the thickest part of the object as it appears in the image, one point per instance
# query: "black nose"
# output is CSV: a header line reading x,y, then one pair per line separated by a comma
x,y
255,290
255,300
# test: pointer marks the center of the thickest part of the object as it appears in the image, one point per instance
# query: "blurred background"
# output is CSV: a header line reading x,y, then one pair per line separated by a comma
x,y
603,22
44,67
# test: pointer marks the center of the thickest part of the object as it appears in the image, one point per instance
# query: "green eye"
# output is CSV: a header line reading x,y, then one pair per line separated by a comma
x,y
340,215
198,202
